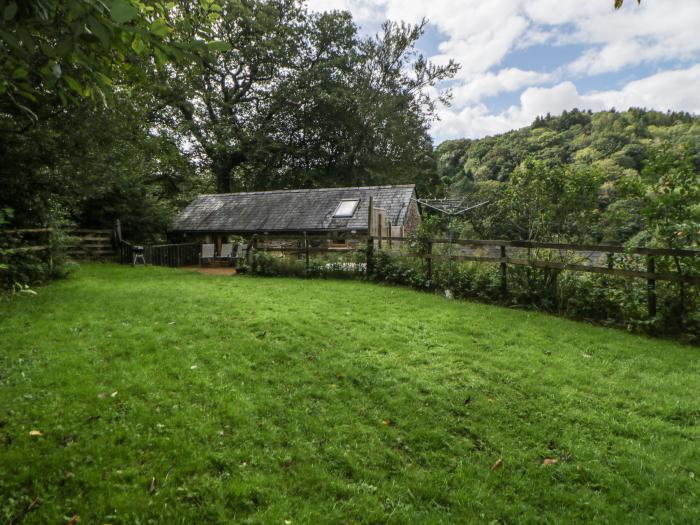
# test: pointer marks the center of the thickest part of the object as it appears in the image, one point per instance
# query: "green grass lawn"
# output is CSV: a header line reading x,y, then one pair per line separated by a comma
x,y
169,397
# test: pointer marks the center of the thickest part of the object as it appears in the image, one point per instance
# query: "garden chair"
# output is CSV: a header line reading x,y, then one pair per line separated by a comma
x,y
206,253
226,252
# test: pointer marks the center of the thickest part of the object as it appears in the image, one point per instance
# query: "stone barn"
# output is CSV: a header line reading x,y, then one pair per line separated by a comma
x,y
332,217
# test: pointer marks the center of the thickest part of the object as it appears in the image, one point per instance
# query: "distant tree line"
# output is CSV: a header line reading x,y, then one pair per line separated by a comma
x,y
631,176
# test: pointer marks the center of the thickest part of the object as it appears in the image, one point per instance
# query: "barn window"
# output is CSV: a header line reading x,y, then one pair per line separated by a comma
x,y
346,208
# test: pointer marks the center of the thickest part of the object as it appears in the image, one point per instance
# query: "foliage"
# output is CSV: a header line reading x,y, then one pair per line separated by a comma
x,y
168,396
294,99
71,51
329,266
581,176
601,298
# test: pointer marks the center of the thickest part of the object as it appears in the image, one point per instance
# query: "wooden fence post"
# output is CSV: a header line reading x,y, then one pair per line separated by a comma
x,y
504,272
651,287
370,239
370,255
118,231
430,261
306,251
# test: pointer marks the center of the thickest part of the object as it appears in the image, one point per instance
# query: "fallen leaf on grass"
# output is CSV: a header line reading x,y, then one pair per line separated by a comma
x,y
497,465
388,422
114,394
36,433
193,367
550,461
72,521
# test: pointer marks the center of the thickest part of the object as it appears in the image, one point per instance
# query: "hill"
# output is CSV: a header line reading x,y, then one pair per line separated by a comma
x,y
614,161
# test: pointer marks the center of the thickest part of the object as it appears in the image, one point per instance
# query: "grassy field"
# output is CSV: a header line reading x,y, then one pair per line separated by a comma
x,y
163,396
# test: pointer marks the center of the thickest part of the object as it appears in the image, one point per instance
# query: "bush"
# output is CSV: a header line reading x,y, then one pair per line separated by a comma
x,y
19,268
336,266
595,297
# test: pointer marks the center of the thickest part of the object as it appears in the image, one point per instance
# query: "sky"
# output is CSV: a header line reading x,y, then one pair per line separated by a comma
x,y
524,58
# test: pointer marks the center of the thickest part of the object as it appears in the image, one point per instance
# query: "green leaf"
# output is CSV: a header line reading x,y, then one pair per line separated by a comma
x,y
10,11
64,47
27,40
73,84
20,72
10,39
100,31
122,11
160,28
107,81
219,45
138,45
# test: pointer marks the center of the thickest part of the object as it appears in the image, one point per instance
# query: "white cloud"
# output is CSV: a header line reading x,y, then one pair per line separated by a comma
x,y
480,35
490,84
674,90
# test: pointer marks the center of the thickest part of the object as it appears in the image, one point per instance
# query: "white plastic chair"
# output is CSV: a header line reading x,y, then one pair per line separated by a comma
x,y
207,252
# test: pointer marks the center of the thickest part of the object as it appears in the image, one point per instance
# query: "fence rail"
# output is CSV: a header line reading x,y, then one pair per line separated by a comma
x,y
91,243
19,244
673,277
650,255
172,255
603,248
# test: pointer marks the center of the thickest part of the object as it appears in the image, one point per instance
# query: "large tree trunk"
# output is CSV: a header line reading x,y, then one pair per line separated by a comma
x,y
223,167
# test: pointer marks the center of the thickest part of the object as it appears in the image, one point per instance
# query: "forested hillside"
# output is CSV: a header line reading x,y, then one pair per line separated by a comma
x,y
607,176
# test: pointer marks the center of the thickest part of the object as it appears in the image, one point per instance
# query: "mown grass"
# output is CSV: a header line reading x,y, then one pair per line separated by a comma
x,y
170,397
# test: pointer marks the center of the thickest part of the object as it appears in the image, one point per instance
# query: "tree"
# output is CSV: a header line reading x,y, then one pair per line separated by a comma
x,y
64,52
289,98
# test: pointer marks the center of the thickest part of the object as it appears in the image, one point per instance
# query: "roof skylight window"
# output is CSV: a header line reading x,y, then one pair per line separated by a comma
x,y
346,208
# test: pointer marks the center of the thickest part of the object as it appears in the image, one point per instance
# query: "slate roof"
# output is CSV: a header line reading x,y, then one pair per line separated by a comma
x,y
291,210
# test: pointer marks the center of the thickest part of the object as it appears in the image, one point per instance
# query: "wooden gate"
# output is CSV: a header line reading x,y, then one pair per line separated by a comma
x,y
91,244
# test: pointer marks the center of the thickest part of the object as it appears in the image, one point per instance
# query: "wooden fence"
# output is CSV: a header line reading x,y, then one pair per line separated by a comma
x,y
91,244
569,255
37,241
172,255
503,260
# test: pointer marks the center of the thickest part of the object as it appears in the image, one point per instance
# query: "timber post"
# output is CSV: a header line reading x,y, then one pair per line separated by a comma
x,y
306,251
430,260
50,239
370,239
118,231
504,272
651,287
